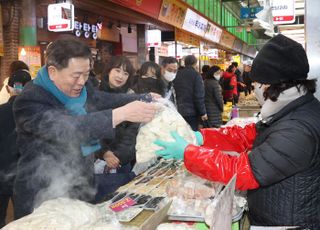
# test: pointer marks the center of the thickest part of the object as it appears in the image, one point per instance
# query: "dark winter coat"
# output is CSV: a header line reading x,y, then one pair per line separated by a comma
x,y
189,89
286,162
8,148
213,101
123,145
246,78
49,139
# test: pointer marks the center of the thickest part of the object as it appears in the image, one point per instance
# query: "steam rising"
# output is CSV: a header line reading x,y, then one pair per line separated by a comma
x,y
57,163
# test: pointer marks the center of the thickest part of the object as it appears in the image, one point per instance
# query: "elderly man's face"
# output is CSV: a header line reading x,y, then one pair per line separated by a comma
x,y
72,79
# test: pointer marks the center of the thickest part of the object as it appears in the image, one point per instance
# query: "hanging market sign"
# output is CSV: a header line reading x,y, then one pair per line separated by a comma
x,y
195,23
172,12
60,17
186,38
213,32
283,11
153,38
163,51
85,29
249,12
150,8
227,39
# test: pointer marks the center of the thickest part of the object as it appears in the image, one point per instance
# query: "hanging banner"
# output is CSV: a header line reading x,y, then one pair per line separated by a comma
x,y
283,11
1,33
163,50
150,8
153,38
60,17
227,40
186,38
195,23
173,13
213,32
31,55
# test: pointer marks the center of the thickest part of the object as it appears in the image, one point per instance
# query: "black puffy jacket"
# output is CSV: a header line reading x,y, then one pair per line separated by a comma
x,y
49,139
214,101
189,89
8,148
286,162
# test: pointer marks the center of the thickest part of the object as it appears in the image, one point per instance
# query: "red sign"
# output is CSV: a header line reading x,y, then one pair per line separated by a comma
x,y
150,8
283,11
122,204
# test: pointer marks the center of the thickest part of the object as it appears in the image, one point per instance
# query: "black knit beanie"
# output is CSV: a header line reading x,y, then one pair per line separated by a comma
x,y
280,60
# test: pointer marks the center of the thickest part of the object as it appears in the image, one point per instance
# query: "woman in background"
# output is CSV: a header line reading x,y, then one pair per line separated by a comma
x,y
213,96
230,92
149,79
118,153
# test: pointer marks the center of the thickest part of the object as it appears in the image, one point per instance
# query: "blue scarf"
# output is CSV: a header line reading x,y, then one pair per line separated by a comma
x,y
75,105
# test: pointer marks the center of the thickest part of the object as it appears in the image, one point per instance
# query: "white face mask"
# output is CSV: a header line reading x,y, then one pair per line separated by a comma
x,y
169,76
258,92
217,76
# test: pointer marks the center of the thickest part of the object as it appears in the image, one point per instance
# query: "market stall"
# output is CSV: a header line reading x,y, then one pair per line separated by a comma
x,y
163,192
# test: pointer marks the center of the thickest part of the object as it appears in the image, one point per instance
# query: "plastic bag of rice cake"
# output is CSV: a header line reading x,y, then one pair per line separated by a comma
x,y
165,121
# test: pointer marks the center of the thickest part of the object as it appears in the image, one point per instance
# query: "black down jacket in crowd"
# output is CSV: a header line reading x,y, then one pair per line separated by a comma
x,y
189,89
49,140
285,160
124,143
8,150
214,101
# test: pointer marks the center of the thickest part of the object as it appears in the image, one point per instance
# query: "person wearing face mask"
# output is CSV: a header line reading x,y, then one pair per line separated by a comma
x,y
279,157
149,79
213,96
169,68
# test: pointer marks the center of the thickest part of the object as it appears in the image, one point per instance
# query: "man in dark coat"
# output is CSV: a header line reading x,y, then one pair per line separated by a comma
x,y
8,136
60,120
279,161
189,89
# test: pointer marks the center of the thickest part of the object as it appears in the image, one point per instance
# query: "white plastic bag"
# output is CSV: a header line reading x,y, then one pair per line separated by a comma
x,y
166,120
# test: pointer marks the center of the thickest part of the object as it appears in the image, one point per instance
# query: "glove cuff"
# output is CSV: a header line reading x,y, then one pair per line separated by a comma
x,y
199,138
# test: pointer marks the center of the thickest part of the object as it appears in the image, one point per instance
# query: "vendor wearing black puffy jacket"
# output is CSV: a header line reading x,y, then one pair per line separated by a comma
x,y
282,170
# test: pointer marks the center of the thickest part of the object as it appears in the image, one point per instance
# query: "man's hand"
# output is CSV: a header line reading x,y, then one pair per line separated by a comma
x,y
111,160
136,111
204,117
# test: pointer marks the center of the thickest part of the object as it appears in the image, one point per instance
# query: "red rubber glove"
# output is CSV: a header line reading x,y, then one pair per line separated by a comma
x,y
234,138
214,165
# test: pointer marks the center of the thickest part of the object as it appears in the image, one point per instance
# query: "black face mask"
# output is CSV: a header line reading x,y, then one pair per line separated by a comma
x,y
147,85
